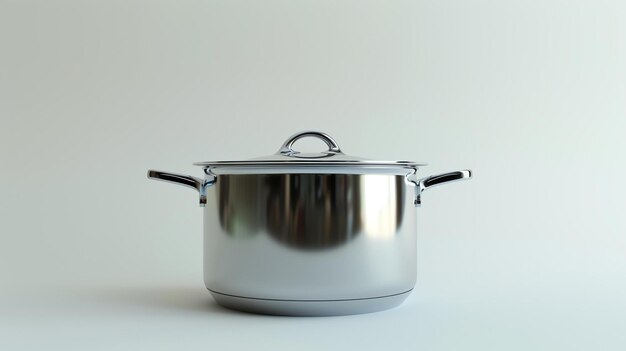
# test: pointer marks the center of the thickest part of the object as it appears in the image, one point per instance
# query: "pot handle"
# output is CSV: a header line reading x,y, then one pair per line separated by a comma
x,y
192,182
434,180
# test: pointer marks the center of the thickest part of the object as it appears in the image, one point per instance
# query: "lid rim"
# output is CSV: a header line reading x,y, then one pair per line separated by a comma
x,y
289,164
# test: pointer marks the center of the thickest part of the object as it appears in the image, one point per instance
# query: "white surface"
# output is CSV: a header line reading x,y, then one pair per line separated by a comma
x,y
529,255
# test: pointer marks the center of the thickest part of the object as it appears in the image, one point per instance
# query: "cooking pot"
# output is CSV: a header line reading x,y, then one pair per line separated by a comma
x,y
310,234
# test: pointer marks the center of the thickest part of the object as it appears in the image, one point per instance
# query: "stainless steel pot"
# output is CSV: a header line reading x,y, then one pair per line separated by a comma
x,y
310,234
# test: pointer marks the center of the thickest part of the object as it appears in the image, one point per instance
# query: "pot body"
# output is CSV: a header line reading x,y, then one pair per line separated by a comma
x,y
310,234
310,244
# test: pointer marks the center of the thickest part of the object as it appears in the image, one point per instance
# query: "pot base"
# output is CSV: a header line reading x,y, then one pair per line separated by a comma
x,y
309,307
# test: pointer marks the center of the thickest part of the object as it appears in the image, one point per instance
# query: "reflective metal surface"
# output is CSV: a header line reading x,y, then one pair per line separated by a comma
x,y
310,307
309,236
310,211
287,148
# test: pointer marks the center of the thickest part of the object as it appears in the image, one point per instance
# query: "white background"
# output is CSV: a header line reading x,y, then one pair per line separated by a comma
x,y
529,255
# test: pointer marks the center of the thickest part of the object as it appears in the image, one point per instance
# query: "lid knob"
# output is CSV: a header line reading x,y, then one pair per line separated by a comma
x,y
287,148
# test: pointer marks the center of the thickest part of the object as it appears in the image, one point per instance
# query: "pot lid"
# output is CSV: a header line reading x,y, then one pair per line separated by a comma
x,y
287,158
